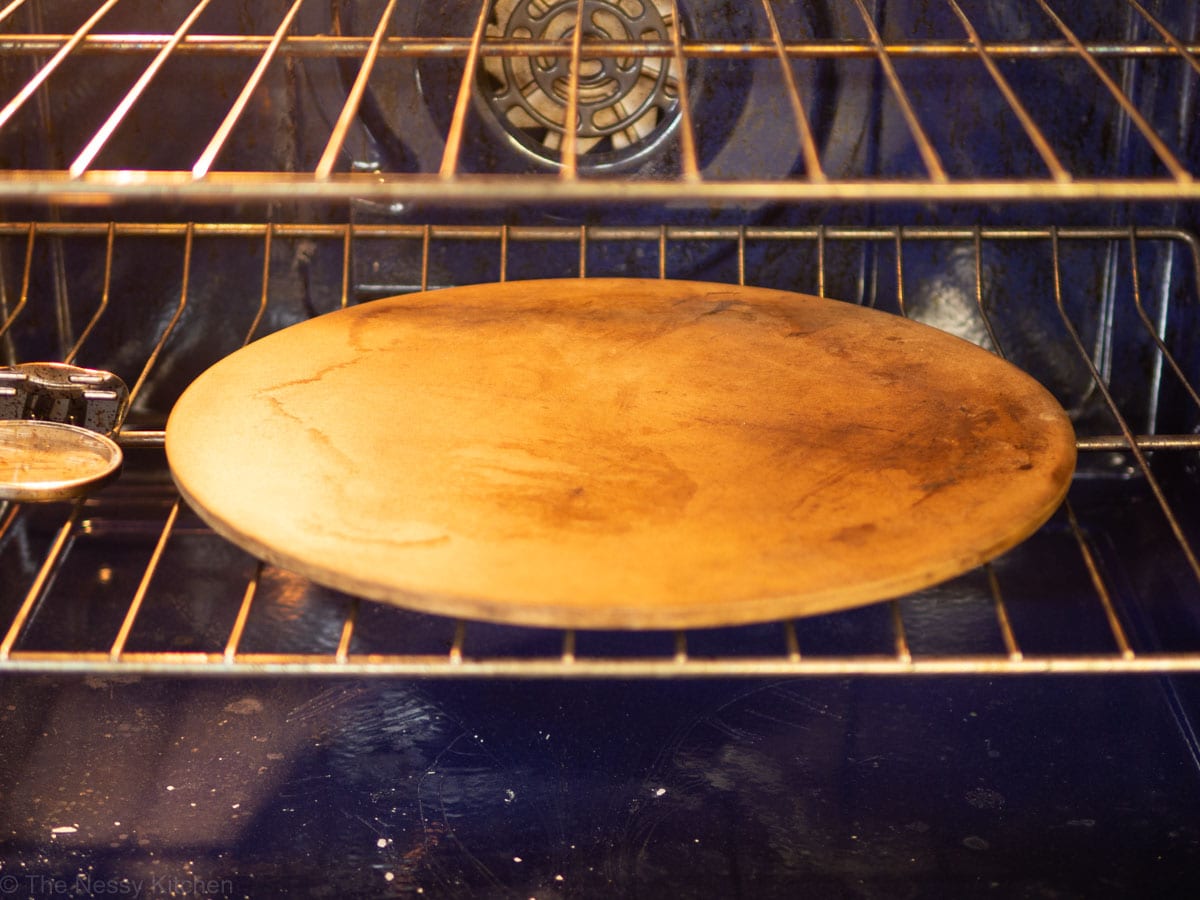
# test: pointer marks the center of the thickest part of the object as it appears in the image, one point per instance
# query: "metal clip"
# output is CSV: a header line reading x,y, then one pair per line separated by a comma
x,y
55,392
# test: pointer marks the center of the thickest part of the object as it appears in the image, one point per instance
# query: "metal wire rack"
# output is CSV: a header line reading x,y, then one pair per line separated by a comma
x,y
130,581
991,64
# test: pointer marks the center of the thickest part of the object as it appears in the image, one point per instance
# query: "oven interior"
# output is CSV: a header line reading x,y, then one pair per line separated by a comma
x,y
178,179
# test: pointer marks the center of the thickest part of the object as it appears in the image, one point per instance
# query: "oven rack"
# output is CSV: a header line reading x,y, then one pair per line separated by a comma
x,y
897,644
102,172
671,659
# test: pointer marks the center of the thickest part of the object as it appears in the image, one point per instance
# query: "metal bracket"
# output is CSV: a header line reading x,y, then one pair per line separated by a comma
x,y
55,392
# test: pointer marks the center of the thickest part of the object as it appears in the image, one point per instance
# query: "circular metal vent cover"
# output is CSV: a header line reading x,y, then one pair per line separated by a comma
x,y
626,105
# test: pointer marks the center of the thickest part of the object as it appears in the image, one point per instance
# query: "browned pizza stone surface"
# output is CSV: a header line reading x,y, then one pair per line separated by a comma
x,y
619,453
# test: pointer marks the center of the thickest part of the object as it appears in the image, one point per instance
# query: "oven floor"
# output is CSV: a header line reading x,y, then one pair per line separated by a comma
x,y
869,788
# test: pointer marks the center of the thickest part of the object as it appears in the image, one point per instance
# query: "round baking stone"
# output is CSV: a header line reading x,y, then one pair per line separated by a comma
x,y
619,453
45,461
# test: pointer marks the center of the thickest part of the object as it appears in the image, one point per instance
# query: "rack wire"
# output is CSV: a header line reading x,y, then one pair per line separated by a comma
x,y
334,639
201,178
